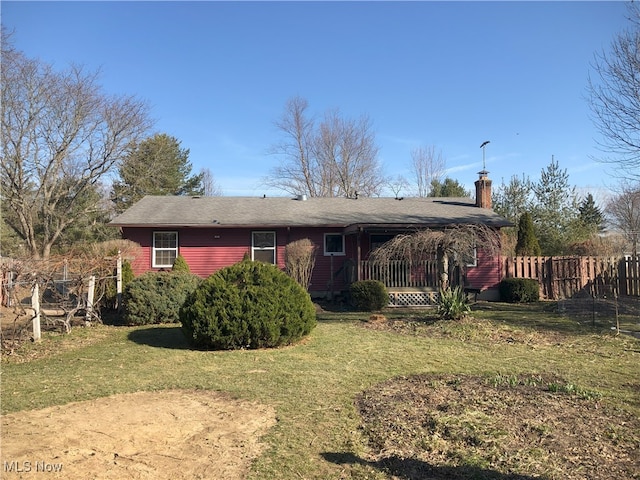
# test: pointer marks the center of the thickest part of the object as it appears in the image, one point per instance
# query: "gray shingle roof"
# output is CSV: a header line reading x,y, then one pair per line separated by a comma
x,y
174,211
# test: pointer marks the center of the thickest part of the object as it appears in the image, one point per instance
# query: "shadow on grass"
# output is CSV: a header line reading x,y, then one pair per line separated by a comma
x,y
538,316
161,337
342,317
412,469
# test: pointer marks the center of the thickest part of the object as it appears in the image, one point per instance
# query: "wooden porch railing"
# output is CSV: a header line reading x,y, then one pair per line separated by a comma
x,y
401,274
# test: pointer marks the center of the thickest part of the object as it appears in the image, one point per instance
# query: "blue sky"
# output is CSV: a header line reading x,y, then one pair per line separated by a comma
x,y
446,74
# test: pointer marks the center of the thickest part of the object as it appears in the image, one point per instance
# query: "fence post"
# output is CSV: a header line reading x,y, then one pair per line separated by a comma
x,y
635,262
90,293
119,282
35,304
4,280
622,276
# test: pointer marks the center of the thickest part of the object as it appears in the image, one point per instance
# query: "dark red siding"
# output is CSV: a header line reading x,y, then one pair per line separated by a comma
x,y
207,250
487,273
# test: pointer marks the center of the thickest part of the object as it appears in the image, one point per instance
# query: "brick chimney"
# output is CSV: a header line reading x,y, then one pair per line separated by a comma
x,y
483,190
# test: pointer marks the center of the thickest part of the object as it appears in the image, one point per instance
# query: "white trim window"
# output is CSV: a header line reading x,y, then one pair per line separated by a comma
x,y
165,249
333,244
263,247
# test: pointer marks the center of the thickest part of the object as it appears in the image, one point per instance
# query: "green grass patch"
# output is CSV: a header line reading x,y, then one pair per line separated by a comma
x,y
314,385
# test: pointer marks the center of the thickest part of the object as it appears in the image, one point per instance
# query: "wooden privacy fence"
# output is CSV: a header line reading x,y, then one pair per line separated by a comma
x,y
566,277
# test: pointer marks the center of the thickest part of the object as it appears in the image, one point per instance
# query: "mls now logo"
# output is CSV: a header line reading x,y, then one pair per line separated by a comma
x,y
26,466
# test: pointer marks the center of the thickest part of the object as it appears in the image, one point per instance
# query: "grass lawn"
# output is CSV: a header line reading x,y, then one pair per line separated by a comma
x,y
315,386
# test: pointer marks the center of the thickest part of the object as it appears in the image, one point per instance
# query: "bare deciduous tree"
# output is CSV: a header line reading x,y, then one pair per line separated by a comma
x,y
211,188
348,151
623,212
336,158
397,184
614,97
60,135
296,173
428,165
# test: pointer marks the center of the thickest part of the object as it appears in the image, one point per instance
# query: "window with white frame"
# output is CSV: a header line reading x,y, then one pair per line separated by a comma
x,y
263,247
333,244
165,249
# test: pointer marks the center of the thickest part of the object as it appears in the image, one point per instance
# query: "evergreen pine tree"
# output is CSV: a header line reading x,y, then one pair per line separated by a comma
x,y
527,241
590,215
155,166
555,211
447,188
512,199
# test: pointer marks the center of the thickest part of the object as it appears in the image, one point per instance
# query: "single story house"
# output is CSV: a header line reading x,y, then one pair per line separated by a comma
x,y
215,232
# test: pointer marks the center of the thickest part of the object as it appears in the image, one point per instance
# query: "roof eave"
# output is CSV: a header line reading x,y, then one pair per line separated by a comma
x,y
353,228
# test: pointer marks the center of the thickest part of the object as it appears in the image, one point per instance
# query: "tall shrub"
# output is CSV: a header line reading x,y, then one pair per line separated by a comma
x,y
299,260
247,305
527,241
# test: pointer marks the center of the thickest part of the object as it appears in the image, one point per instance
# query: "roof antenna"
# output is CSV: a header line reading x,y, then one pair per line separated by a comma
x,y
484,144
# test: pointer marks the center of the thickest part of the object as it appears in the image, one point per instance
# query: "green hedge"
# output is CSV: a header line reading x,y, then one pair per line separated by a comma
x,y
156,297
519,290
247,305
369,295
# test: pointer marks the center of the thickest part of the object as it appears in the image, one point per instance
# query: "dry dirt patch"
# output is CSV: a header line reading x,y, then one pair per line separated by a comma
x,y
504,427
145,435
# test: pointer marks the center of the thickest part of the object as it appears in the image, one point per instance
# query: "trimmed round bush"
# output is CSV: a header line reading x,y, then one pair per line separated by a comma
x,y
519,290
180,265
247,305
156,297
369,295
